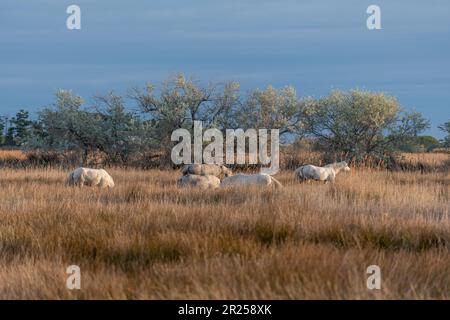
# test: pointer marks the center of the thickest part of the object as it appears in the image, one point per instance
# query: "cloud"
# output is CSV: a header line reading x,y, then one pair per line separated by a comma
x,y
313,45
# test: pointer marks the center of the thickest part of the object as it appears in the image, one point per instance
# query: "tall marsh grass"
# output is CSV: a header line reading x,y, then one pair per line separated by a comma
x,y
146,238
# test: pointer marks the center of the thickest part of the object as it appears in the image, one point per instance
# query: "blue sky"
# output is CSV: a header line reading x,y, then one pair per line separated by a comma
x,y
316,46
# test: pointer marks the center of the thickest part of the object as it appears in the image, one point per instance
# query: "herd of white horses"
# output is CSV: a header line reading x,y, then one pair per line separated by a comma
x,y
212,176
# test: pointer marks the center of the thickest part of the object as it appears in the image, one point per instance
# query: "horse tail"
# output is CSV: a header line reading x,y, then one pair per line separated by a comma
x,y
70,181
299,173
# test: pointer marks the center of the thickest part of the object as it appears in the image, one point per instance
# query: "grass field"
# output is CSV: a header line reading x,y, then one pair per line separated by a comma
x,y
432,159
149,239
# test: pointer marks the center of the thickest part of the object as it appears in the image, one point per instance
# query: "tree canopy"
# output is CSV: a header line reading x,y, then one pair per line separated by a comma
x,y
359,123
354,124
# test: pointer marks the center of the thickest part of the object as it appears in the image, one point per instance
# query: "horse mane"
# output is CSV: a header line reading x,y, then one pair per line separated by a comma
x,y
336,165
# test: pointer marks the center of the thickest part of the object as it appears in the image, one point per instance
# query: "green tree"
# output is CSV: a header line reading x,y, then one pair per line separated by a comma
x,y
122,133
270,109
182,101
19,131
9,137
106,128
420,144
66,126
3,124
446,128
359,123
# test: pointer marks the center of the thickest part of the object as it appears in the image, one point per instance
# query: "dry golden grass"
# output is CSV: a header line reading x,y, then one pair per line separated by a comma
x,y
12,155
149,239
431,159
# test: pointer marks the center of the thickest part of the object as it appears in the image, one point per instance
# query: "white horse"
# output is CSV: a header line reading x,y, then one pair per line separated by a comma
x,y
327,173
90,177
260,179
199,181
206,169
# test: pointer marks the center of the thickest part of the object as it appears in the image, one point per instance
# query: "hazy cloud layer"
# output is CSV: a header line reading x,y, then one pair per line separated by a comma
x,y
314,45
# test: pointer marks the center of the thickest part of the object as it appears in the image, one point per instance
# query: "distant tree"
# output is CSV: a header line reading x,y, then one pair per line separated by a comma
x,y
446,128
270,109
354,124
19,130
106,127
359,123
420,144
3,125
9,136
122,132
182,101
66,126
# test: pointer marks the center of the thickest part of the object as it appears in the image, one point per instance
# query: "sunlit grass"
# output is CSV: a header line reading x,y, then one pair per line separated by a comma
x,y
146,238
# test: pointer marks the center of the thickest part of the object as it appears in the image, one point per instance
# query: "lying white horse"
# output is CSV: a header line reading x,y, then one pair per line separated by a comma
x,y
90,177
206,169
199,181
260,179
327,173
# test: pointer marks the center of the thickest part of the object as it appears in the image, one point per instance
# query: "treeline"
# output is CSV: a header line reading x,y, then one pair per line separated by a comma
x,y
124,130
15,131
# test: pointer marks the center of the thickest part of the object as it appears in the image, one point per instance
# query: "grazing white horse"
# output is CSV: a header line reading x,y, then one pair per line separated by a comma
x,y
199,181
260,179
90,177
327,173
206,169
